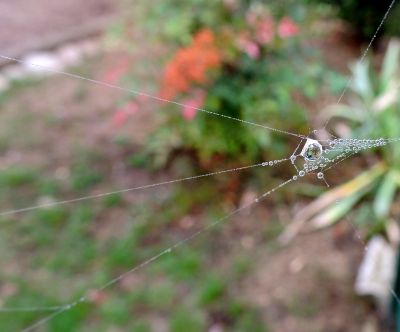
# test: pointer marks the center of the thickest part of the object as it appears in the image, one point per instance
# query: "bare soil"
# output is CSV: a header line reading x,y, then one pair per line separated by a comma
x,y
24,23
308,286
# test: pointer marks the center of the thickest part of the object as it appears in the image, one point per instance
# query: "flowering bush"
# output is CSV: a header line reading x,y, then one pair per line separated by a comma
x,y
239,58
190,65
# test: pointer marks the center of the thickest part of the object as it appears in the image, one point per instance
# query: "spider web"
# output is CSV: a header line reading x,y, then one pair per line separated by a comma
x,y
334,151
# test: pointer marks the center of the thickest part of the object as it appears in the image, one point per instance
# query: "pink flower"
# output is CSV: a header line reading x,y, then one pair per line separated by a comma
x,y
142,98
192,104
120,68
119,117
131,108
287,28
122,114
265,30
252,49
249,46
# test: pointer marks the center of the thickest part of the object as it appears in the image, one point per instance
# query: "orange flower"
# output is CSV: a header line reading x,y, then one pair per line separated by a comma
x,y
190,65
204,37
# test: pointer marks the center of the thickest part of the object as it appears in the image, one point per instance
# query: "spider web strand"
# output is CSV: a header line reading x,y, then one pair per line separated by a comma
x,y
144,94
121,191
67,307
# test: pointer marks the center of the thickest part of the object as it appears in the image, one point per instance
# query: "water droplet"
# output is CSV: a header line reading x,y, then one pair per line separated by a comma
x,y
293,158
313,152
271,163
302,173
320,175
264,164
294,177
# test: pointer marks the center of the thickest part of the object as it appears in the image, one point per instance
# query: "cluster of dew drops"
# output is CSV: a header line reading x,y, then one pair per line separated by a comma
x,y
318,157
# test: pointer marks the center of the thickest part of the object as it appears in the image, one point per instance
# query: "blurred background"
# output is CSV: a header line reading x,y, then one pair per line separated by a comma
x,y
291,262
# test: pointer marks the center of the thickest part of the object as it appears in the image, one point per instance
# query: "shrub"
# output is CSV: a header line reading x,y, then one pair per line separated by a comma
x,y
241,59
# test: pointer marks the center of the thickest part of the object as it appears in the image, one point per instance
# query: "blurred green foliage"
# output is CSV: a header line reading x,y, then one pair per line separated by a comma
x,y
373,112
265,82
176,21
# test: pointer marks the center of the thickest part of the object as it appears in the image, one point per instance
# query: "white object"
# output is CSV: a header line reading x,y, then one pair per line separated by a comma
x,y
69,55
41,63
377,271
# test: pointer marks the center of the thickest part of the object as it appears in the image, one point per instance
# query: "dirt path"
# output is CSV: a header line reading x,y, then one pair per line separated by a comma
x,y
27,25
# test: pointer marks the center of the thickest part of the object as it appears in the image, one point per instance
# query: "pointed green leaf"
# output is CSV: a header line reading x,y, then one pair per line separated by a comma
x,y
384,196
337,210
361,81
390,64
346,112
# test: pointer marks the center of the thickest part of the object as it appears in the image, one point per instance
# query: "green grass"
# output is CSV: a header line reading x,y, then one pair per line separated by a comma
x,y
84,177
212,291
187,320
183,286
17,176
112,200
60,253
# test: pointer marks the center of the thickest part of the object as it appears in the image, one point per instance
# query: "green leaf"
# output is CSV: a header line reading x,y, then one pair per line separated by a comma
x,y
346,112
361,82
384,196
390,64
337,202
337,211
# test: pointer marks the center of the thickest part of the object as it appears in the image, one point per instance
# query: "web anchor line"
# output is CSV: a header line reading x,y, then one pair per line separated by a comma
x,y
64,308
148,186
147,95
